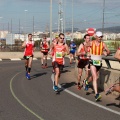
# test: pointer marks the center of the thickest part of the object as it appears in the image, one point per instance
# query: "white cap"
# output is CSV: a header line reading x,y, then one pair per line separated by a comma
x,y
99,34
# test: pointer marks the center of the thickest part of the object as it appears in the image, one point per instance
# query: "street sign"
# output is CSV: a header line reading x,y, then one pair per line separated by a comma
x,y
91,31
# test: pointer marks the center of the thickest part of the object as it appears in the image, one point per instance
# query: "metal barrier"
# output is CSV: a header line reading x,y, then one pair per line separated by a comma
x,y
108,59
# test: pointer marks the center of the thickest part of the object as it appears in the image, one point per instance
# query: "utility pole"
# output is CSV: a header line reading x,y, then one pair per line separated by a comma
x,y
103,16
60,17
50,21
19,29
64,16
33,27
8,27
72,19
11,35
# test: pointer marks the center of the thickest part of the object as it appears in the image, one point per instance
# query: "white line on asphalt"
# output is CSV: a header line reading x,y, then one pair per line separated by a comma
x,y
20,102
15,59
86,100
34,58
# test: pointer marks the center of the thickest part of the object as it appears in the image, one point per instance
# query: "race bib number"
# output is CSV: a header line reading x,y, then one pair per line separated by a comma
x,y
27,57
43,50
59,55
97,62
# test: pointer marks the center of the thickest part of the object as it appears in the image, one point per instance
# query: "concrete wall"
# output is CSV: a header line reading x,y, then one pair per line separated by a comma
x,y
107,77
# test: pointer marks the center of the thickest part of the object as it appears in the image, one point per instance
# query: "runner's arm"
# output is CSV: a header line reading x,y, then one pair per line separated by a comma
x,y
41,45
117,54
78,51
107,51
51,48
67,50
24,44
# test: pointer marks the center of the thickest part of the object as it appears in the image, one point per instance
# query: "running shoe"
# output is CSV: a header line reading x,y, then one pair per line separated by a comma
x,y
28,76
79,86
55,88
86,85
109,90
98,97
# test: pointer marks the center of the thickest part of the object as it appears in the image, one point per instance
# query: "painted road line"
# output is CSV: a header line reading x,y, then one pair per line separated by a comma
x,y
86,100
47,58
35,59
15,59
23,105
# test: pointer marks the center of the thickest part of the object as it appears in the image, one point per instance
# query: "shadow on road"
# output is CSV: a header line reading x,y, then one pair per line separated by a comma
x,y
65,86
113,104
38,74
64,71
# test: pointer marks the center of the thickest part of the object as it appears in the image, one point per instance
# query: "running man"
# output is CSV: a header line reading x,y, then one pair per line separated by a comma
x,y
116,86
44,50
83,59
56,39
51,52
72,51
60,49
28,54
98,47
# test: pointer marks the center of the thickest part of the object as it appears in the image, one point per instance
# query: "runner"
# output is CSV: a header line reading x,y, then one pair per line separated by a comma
x,y
116,86
44,50
98,47
60,50
51,52
72,51
56,39
28,54
83,59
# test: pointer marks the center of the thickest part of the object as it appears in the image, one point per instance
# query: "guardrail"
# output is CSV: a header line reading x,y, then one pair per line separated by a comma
x,y
108,59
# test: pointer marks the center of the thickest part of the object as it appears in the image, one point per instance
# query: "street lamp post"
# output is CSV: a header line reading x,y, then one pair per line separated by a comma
x,y
25,22
72,19
33,27
50,21
103,16
0,21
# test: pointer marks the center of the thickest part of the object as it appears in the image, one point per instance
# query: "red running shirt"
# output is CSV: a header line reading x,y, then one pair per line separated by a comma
x,y
58,49
29,48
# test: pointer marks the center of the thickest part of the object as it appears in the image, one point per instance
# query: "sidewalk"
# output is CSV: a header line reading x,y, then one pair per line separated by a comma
x,y
18,55
11,55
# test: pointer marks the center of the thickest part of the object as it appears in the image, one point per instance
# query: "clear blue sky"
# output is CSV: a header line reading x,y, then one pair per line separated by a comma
x,y
87,13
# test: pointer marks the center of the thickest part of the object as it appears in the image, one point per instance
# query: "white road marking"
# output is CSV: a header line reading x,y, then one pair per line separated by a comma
x,y
34,58
15,59
86,100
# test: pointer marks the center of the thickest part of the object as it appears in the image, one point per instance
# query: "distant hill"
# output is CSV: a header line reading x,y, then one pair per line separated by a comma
x,y
115,29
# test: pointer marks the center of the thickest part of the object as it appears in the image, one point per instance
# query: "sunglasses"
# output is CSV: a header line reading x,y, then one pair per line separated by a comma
x,y
62,38
100,37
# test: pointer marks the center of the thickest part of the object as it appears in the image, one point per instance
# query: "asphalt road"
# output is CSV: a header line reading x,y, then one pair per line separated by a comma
x,y
22,99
